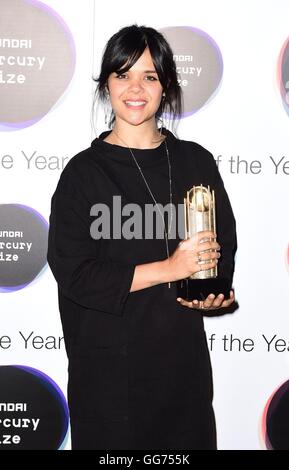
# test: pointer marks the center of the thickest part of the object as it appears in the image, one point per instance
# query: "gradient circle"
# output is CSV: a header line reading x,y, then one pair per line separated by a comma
x,y
199,65
23,246
283,74
37,62
33,410
276,419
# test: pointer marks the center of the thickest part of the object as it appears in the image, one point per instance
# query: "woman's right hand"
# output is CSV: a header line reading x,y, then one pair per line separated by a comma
x,y
192,255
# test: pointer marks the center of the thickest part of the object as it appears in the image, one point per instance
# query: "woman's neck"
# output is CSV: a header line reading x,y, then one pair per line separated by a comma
x,y
142,137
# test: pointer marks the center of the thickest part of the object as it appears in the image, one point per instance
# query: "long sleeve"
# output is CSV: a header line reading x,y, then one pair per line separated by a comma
x,y
75,259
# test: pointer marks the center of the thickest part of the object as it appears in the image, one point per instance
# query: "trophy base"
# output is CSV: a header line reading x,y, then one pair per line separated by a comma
x,y
199,289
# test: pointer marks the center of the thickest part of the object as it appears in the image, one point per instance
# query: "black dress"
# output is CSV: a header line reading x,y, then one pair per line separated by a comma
x,y
139,367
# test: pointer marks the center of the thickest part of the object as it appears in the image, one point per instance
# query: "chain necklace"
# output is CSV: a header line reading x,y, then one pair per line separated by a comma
x,y
166,233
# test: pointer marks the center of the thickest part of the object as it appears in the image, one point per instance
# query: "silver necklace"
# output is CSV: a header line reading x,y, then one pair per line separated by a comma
x,y
166,232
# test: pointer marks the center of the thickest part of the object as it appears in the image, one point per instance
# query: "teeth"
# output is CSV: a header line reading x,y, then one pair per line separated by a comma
x,y
135,103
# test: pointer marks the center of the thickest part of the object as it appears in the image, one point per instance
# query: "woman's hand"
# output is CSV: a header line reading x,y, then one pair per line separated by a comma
x,y
212,302
195,254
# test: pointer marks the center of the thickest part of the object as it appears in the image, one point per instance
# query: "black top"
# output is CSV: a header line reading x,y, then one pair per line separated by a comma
x,y
139,368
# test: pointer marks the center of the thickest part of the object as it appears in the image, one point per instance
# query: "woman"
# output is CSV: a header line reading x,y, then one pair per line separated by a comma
x,y
139,367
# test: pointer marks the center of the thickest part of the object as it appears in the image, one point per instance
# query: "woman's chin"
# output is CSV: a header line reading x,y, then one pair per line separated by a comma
x,y
138,120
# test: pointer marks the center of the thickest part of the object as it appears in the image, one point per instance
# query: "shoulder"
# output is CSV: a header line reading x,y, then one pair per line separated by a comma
x,y
78,162
194,153
191,146
79,172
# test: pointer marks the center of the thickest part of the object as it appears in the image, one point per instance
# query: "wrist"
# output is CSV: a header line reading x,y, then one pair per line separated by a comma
x,y
165,271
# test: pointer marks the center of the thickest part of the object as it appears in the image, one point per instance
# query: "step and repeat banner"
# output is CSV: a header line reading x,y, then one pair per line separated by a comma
x,y
233,64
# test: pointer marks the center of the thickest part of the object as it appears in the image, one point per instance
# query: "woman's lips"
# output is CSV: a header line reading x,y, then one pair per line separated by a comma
x,y
135,104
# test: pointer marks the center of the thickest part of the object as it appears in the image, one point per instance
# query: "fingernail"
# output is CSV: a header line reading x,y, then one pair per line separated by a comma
x,y
195,302
178,299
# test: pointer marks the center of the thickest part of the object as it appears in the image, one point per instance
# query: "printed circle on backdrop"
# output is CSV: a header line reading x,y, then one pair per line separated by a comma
x,y
283,74
275,420
23,246
199,65
33,410
37,62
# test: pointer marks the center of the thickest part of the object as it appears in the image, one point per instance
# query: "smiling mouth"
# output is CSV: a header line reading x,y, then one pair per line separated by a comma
x,y
135,104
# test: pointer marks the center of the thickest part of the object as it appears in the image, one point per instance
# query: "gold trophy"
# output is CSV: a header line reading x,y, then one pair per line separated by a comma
x,y
200,215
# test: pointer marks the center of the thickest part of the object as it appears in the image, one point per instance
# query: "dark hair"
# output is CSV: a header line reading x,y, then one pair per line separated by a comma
x,y
123,50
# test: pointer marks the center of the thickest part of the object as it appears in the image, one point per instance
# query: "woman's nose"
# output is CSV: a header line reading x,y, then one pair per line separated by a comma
x,y
135,84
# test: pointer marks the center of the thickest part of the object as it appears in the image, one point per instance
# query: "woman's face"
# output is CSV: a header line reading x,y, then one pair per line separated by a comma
x,y
136,95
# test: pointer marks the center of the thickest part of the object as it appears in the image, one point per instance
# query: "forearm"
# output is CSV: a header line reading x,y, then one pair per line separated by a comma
x,y
150,274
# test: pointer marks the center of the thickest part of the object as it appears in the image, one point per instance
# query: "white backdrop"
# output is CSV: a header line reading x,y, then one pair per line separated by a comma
x,y
245,119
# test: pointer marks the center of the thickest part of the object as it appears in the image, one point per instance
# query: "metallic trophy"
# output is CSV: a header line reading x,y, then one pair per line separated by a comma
x,y
200,215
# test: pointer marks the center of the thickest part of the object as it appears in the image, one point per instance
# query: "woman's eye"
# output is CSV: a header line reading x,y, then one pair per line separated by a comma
x,y
149,78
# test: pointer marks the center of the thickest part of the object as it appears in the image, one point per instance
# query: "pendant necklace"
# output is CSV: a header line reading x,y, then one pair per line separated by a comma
x,y
166,232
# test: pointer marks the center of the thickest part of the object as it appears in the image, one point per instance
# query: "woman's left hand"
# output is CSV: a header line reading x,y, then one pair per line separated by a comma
x,y
212,302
